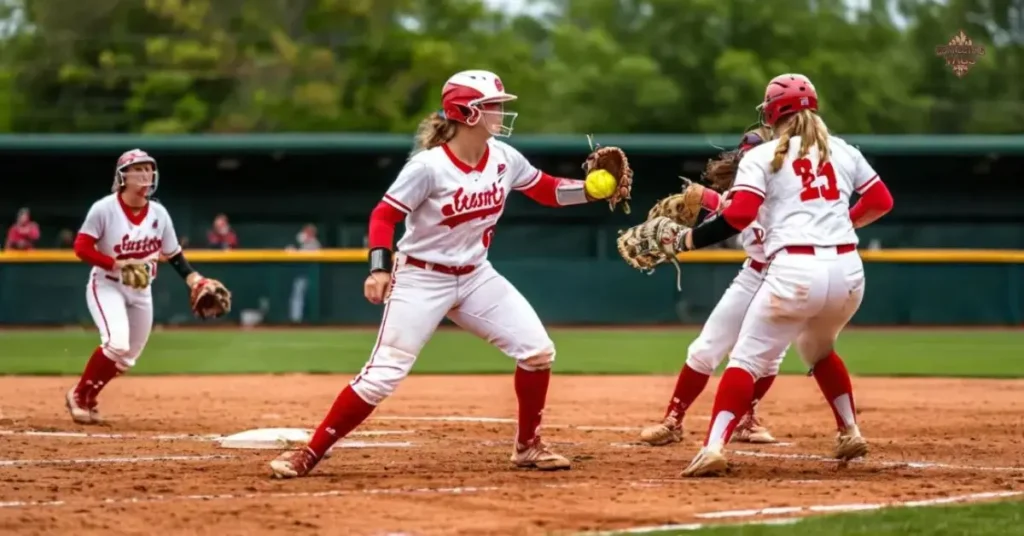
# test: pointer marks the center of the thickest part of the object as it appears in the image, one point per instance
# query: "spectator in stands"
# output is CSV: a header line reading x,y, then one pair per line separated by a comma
x,y
306,240
24,233
221,236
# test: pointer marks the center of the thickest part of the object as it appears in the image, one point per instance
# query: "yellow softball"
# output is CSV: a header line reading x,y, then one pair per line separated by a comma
x,y
600,184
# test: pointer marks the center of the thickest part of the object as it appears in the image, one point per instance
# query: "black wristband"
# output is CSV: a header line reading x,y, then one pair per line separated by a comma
x,y
712,231
180,265
380,260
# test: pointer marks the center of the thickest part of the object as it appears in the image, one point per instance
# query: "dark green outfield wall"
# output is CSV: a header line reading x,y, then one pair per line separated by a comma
x,y
563,291
950,192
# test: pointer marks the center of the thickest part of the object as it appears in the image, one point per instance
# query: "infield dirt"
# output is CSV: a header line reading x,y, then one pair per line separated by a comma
x,y
428,474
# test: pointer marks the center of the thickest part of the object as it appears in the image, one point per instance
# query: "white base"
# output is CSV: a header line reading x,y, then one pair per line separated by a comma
x,y
267,438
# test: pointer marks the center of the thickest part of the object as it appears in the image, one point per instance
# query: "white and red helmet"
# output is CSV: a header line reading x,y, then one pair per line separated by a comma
x,y
466,92
128,158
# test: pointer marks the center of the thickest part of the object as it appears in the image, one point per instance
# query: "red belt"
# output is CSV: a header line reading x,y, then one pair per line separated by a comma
x,y
450,270
809,250
801,250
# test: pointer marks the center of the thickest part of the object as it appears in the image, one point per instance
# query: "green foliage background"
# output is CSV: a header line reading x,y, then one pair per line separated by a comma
x,y
657,66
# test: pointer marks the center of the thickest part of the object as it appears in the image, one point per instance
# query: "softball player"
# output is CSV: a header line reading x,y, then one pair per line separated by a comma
x,y
718,335
798,186
451,194
122,229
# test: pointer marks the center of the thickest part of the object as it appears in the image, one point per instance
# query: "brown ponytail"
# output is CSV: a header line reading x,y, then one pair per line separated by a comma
x,y
812,131
720,173
434,131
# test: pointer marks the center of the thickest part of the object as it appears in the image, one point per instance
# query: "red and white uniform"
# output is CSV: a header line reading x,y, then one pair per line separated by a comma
x,y
452,208
112,232
451,211
815,279
722,327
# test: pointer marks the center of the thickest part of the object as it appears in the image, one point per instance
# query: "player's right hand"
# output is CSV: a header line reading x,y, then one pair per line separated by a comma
x,y
376,287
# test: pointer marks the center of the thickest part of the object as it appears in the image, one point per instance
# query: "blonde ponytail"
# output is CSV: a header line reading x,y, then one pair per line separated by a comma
x,y
434,131
812,131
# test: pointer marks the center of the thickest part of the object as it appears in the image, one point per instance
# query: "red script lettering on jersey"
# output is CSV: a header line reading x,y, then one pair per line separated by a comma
x,y
137,249
467,207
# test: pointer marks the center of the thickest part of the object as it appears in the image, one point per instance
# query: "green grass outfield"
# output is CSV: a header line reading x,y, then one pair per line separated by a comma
x,y
884,352
992,519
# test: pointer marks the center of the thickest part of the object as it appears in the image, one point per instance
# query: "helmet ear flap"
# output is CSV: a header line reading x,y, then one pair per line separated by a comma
x,y
471,113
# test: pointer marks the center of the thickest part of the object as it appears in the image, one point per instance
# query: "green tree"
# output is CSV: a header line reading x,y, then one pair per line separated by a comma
x,y
173,66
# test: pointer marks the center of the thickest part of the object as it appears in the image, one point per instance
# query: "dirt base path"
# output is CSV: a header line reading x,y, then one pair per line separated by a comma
x,y
414,469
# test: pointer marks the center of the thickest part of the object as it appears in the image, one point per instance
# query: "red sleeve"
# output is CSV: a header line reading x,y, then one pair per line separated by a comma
x,y
544,190
33,231
12,236
742,210
383,220
873,204
85,249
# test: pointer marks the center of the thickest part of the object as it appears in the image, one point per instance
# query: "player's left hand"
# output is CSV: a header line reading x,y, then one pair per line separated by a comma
x,y
614,161
209,298
690,207
651,243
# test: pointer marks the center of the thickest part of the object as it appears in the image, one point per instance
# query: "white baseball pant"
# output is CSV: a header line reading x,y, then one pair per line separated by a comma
x,y
482,302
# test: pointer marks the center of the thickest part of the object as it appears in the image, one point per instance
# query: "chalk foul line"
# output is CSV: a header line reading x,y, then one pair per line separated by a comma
x,y
908,465
208,438
133,459
274,495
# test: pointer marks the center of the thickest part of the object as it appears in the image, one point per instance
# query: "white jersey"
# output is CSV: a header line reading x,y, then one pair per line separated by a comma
x,y
452,208
120,234
752,240
805,203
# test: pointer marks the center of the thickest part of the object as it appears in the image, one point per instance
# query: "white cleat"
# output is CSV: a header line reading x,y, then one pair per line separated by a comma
x,y
293,464
537,455
666,432
710,461
850,444
751,430
79,413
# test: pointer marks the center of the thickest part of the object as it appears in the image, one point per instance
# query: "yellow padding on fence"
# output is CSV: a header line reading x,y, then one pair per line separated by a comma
x,y
949,256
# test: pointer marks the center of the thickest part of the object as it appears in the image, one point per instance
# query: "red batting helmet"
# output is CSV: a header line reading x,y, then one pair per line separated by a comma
x,y
787,94
465,93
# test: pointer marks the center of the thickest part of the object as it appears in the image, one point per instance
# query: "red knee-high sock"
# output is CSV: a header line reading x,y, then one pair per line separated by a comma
x,y
349,410
689,386
97,374
834,382
532,392
761,386
732,401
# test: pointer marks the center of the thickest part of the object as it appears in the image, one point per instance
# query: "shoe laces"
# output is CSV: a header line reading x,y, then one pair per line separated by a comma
x,y
750,419
535,444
